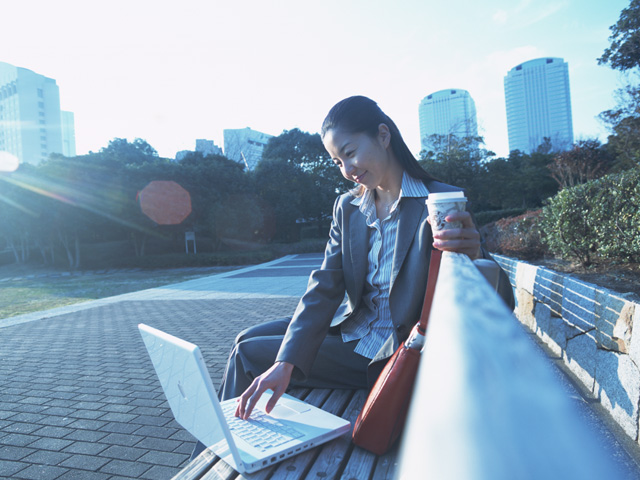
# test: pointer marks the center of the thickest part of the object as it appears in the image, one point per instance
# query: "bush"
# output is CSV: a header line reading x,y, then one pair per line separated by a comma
x,y
600,218
483,218
515,236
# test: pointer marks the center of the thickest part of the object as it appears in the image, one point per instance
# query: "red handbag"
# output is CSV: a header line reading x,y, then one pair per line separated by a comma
x,y
383,415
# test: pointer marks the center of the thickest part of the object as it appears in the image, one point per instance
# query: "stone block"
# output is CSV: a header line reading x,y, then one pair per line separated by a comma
x,y
580,356
509,265
618,388
579,304
614,321
525,305
548,289
548,328
634,349
526,276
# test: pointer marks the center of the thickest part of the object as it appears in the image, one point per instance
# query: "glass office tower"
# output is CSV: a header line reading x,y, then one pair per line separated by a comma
x,y
31,123
447,112
539,105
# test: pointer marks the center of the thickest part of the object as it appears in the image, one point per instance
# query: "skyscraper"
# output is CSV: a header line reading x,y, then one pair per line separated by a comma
x,y
447,112
245,145
31,124
539,105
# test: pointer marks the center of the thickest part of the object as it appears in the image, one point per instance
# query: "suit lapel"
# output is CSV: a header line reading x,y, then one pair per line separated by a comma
x,y
411,212
358,249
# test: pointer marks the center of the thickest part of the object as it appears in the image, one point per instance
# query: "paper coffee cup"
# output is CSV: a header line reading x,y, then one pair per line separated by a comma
x,y
442,204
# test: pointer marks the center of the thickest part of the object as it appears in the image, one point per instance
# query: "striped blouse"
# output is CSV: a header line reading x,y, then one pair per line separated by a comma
x,y
371,323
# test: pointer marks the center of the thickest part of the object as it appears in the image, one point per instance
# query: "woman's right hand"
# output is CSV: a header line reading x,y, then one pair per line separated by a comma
x,y
277,378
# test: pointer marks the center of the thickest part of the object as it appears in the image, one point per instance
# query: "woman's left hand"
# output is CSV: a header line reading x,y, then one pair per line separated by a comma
x,y
461,240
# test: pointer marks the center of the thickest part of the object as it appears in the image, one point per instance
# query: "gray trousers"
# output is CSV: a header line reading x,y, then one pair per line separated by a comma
x,y
255,350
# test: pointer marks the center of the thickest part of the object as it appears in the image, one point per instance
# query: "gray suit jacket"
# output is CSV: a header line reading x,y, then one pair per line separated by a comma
x,y
344,270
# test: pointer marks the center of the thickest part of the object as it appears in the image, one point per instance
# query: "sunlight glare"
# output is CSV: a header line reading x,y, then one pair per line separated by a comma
x,y
8,162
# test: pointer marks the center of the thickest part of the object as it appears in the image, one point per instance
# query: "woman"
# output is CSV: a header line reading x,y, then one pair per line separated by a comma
x,y
378,254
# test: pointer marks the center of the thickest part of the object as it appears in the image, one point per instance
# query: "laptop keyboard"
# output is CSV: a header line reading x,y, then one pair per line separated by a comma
x,y
261,430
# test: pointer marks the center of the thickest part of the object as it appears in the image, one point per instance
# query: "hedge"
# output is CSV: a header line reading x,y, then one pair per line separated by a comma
x,y
598,219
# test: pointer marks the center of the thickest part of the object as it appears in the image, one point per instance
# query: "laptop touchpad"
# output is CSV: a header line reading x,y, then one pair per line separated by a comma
x,y
289,409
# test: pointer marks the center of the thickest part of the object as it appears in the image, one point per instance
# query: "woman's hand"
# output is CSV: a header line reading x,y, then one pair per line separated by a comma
x,y
461,240
277,378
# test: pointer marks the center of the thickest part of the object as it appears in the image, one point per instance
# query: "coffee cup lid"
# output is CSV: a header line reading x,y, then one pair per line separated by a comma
x,y
434,197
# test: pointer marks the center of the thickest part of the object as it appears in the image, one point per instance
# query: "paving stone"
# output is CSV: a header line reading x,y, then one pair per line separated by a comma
x,y
45,457
157,472
55,444
17,439
118,417
164,458
85,462
160,432
87,424
86,448
9,469
120,439
115,427
122,467
123,453
9,452
41,472
163,445
19,427
85,475
85,435
157,421
56,432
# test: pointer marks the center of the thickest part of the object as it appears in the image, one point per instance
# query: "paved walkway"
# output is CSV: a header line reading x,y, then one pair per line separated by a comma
x,y
79,398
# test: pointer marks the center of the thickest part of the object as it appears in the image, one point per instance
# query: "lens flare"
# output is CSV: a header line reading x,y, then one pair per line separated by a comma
x,y
8,162
165,202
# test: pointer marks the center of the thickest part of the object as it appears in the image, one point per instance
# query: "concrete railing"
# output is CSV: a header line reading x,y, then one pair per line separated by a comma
x,y
486,403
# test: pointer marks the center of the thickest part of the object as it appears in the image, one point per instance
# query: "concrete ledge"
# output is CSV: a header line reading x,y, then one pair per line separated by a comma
x,y
590,328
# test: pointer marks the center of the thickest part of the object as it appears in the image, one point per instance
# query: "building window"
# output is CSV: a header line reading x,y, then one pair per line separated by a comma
x,y
40,93
40,104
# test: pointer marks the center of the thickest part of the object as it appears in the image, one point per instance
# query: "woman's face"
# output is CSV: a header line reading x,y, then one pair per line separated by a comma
x,y
362,159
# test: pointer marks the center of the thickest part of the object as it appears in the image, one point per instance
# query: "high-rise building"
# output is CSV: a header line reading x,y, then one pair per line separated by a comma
x,y
31,124
539,105
447,112
245,146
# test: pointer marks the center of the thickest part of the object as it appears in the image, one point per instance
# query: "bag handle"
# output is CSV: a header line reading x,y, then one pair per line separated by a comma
x,y
434,268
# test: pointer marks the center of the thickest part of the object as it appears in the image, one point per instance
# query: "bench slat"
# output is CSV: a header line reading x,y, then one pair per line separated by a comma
x,y
197,466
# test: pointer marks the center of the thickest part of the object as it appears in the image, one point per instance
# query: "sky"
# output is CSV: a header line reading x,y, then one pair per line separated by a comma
x,y
172,72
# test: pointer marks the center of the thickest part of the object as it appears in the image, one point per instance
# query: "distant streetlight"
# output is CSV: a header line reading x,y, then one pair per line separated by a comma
x,y
165,202
8,162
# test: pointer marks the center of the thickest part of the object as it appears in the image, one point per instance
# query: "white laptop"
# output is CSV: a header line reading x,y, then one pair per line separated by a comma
x,y
247,445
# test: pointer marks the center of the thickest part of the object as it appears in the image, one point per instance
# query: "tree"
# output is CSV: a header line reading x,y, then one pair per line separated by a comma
x,y
125,153
456,160
587,160
624,121
624,52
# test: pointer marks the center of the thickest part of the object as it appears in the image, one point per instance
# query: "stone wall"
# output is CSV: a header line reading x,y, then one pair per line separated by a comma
x,y
590,328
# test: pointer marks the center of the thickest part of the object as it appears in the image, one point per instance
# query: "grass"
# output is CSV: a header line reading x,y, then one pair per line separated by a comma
x,y
25,289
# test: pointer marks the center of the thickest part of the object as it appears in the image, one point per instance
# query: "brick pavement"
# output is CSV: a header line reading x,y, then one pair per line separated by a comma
x,y
79,398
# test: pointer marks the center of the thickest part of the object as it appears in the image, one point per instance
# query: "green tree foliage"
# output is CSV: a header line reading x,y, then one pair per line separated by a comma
x,y
519,181
624,51
623,54
624,123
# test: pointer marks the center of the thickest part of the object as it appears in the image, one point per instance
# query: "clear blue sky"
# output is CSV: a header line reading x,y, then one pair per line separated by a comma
x,y
170,72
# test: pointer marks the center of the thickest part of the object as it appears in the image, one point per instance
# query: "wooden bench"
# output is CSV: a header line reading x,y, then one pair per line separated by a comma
x,y
338,459
486,406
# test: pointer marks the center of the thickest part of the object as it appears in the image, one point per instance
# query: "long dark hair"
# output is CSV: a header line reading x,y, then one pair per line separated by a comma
x,y
360,114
